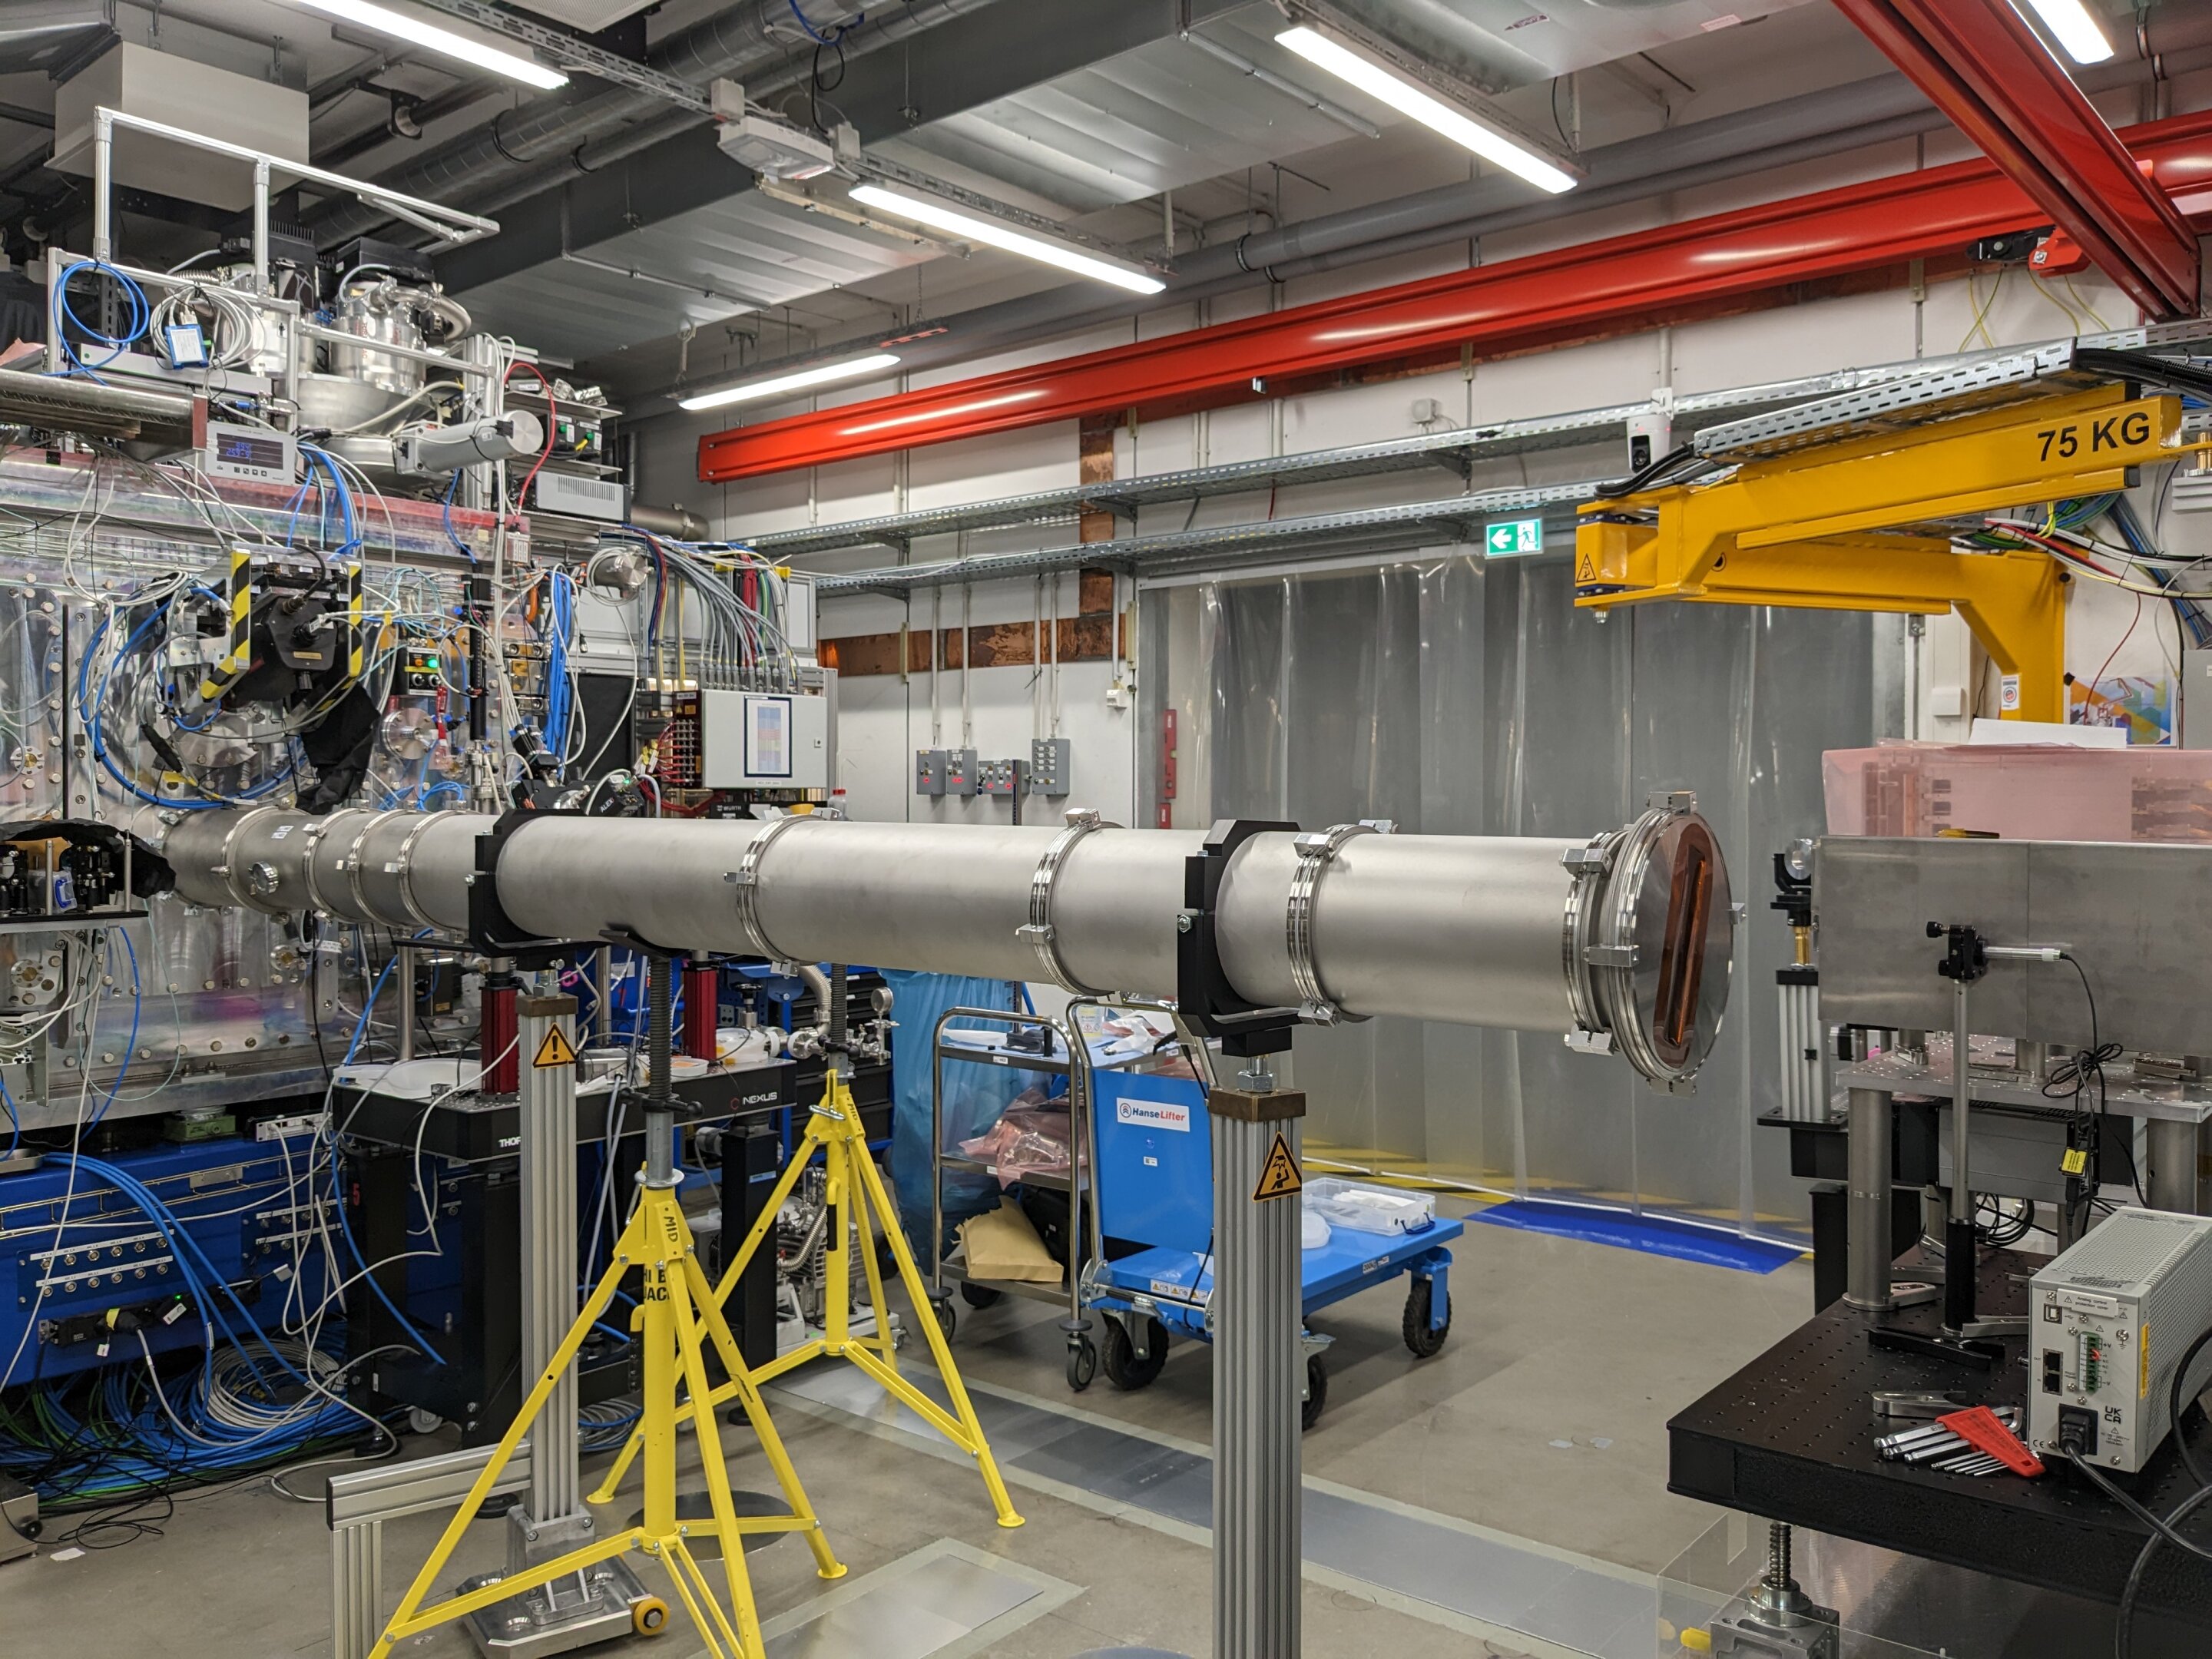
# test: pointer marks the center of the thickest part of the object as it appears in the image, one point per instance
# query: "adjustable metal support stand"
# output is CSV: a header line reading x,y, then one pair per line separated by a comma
x,y
676,1319
1259,1373
1965,1339
858,1205
603,1600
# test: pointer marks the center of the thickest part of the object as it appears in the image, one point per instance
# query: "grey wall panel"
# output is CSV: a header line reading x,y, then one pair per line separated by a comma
x,y
2137,917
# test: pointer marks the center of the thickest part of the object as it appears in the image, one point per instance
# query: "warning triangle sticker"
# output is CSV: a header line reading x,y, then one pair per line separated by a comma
x,y
555,1051
1588,571
1279,1176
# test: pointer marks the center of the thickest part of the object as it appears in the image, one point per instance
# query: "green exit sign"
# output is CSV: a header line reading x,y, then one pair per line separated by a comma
x,y
1512,536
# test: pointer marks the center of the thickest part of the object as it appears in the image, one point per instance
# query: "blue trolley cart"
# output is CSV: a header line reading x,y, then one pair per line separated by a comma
x,y
1152,1186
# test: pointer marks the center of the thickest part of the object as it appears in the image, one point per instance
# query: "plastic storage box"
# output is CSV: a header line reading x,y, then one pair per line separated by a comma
x,y
2037,792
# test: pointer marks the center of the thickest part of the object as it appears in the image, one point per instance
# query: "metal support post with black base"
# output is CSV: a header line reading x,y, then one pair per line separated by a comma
x,y
1964,1338
607,1599
1260,1379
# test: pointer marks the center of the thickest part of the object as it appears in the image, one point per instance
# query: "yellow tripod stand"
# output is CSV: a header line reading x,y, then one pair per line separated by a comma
x,y
678,1305
854,1193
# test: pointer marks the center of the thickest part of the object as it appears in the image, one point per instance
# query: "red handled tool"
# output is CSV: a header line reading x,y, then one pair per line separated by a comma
x,y
1979,1428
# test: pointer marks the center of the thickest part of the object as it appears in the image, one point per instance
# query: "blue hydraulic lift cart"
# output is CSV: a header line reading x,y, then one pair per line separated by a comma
x,y
1153,1185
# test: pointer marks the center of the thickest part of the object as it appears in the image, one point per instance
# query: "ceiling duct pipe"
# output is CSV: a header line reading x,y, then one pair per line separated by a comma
x,y
731,44
601,153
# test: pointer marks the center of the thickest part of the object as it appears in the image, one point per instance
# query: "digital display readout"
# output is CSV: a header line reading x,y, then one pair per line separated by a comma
x,y
244,449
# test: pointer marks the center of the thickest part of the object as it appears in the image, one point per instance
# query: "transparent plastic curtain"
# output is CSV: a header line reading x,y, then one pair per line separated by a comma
x,y
1461,697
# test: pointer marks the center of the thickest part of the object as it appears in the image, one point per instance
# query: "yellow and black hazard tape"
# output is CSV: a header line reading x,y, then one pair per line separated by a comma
x,y
238,654
355,625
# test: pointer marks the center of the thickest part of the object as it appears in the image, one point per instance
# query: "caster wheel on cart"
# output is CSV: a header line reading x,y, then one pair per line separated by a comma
x,y
1316,1392
1423,1340
946,1319
1123,1369
1082,1363
648,1617
979,1296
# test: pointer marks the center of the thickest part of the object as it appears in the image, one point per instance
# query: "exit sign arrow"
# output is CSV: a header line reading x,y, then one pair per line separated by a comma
x,y
1513,537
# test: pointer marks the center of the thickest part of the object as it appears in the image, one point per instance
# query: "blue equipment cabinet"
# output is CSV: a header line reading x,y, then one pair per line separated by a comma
x,y
255,1217
1154,1189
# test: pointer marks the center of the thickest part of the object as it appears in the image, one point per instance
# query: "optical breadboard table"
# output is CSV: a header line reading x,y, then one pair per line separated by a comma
x,y
1791,1437
471,1128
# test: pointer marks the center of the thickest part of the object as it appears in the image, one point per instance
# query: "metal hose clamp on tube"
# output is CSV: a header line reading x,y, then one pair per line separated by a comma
x,y
1039,930
745,883
1622,942
1315,853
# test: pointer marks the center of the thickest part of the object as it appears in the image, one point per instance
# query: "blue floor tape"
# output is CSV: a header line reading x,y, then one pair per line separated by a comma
x,y
1653,1234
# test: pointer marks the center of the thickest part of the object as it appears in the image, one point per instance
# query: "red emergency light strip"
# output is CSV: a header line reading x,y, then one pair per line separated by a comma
x,y
1981,64
1583,291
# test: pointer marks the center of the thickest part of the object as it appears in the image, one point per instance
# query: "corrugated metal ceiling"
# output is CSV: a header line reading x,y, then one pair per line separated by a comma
x,y
1507,43
1162,118
751,251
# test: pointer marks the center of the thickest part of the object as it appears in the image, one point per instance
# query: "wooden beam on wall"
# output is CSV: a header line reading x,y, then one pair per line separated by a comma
x,y
1088,638
1095,464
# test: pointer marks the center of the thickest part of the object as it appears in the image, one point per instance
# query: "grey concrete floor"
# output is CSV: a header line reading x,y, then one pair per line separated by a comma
x,y
1553,1340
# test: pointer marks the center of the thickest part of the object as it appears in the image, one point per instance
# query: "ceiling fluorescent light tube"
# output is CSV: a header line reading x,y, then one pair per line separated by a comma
x,y
400,26
1386,86
2069,21
798,380
971,227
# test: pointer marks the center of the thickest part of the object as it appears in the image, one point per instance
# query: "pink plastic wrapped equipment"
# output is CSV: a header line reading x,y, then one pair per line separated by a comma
x,y
2026,791
1032,1139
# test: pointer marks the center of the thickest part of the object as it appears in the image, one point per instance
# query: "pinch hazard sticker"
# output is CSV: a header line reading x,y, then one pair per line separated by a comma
x,y
1279,1176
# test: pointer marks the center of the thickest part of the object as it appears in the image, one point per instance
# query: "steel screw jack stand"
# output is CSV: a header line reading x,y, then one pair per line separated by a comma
x,y
857,1202
677,1317
1778,1620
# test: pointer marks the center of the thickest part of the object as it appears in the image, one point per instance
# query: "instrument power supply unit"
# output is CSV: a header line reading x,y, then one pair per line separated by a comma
x,y
2108,1320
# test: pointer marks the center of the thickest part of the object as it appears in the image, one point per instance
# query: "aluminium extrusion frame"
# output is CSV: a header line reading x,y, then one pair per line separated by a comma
x,y
358,1504
596,1602
1260,1369
544,1469
449,225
